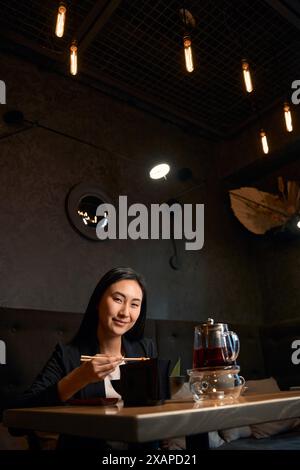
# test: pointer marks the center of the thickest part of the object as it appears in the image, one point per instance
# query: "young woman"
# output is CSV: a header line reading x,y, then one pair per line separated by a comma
x,y
112,327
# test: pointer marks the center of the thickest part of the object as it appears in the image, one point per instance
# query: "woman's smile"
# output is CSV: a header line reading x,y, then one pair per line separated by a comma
x,y
120,322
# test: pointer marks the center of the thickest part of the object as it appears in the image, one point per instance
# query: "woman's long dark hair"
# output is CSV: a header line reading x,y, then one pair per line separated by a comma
x,y
88,329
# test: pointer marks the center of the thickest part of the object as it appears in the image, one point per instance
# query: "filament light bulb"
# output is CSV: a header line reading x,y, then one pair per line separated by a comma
x,y
73,59
288,117
187,42
60,20
247,76
264,141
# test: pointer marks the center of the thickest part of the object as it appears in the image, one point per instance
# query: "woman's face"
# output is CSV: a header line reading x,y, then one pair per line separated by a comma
x,y
120,307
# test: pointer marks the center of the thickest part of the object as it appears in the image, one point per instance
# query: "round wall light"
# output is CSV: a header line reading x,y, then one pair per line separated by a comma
x,y
81,205
159,171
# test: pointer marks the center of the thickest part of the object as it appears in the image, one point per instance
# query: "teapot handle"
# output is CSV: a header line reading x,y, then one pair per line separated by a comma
x,y
243,384
243,380
235,345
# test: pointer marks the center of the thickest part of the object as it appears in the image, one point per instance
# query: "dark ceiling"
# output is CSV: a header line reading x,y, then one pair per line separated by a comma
x,y
133,49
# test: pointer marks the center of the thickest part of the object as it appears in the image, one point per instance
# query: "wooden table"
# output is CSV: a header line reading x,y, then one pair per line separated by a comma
x,y
142,424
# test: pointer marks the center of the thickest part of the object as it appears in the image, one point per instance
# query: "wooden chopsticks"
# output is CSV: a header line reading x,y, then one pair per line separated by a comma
x,y
84,358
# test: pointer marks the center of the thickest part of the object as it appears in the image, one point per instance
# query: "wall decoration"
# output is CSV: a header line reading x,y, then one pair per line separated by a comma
x,y
260,211
81,206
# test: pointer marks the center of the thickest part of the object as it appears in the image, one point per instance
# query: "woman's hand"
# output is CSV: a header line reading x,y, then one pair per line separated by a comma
x,y
88,372
98,368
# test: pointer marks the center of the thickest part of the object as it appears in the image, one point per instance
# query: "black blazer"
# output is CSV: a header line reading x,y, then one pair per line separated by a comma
x,y
65,358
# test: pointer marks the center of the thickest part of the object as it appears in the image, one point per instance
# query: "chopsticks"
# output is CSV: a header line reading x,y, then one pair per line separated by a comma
x,y
84,358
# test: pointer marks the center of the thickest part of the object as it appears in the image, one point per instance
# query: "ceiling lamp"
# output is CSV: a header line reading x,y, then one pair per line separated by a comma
x,y
159,171
288,117
60,20
73,58
264,141
188,55
189,23
247,76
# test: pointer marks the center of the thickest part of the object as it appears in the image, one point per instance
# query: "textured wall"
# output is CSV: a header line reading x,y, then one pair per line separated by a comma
x,y
279,278
46,264
278,261
276,258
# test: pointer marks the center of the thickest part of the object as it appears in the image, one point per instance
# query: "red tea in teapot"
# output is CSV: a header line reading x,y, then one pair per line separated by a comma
x,y
214,345
209,357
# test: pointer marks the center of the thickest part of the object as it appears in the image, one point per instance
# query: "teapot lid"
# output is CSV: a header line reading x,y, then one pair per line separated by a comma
x,y
210,322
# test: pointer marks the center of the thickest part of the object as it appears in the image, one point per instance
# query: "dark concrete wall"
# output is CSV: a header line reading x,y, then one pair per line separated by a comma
x,y
278,262
46,264
277,257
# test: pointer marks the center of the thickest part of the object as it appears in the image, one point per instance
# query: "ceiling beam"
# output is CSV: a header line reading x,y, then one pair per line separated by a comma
x,y
263,167
234,132
17,43
12,41
95,21
151,104
288,9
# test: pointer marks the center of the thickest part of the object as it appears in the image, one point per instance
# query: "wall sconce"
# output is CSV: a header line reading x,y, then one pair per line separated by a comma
x,y
159,171
81,206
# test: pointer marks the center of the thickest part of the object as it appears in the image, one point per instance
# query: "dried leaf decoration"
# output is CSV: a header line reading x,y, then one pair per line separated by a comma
x,y
259,211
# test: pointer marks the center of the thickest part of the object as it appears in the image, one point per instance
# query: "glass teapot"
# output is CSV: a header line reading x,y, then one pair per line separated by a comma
x,y
214,345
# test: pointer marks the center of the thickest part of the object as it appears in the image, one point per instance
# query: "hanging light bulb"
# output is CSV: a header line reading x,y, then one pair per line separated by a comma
x,y
73,58
288,117
247,76
187,42
60,20
188,23
264,141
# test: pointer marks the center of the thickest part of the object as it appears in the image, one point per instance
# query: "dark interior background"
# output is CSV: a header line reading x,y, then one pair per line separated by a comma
x,y
45,264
